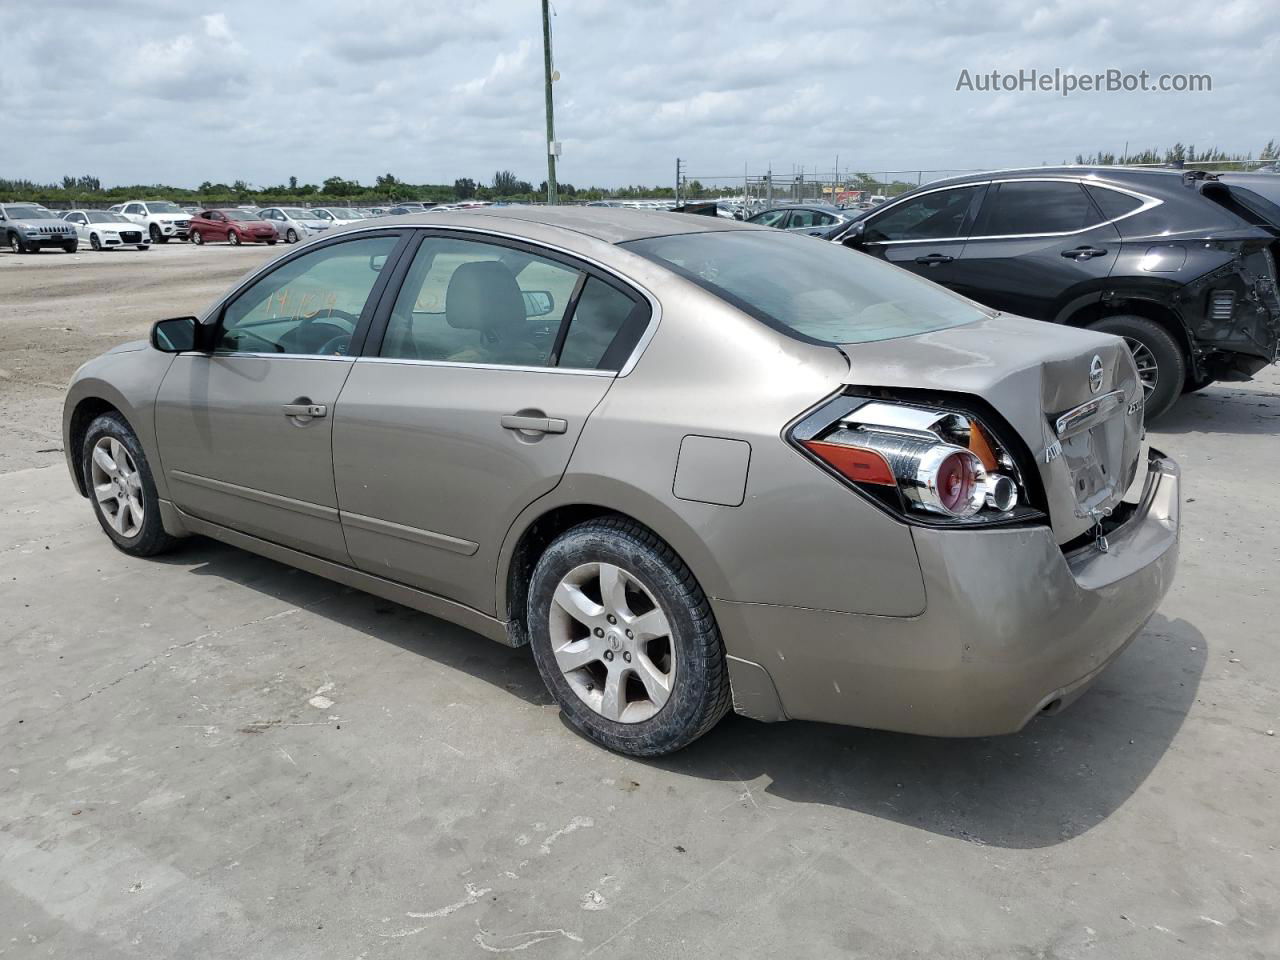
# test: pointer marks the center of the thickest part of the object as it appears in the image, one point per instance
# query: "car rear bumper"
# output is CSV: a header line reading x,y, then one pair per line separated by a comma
x,y
1013,627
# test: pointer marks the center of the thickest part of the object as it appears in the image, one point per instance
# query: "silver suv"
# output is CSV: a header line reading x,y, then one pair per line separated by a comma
x,y
26,228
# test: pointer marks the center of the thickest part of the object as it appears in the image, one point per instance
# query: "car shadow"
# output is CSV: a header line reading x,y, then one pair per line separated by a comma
x,y
1055,780
1223,408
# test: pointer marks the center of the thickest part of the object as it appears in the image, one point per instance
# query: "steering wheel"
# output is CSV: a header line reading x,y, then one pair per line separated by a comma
x,y
336,346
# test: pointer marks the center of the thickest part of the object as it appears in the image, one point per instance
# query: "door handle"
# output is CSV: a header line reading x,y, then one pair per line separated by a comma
x,y
933,259
1084,253
305,410
534,424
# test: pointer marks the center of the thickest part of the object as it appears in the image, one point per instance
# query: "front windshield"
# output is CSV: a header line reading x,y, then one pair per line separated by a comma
x,y
163,206
239,215
28,213
347,215
818,291
98,216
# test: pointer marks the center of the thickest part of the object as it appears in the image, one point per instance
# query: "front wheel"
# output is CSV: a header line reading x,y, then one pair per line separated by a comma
x,y
144,247
1162,368
155,233
625,640
94,242
16,245
197,238
233,238
118,480
291,236
71,247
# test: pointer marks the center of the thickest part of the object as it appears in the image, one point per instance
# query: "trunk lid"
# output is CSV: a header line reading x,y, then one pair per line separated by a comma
x,y
1073,397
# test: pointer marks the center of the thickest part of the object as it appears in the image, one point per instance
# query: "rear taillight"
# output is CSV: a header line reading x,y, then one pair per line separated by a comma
x,y
936,465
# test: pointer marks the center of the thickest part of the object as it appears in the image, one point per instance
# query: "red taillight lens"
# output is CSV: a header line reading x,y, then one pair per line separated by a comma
x,y
854,463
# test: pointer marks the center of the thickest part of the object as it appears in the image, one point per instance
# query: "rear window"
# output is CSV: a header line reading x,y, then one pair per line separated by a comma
x,y
1113,203
817,291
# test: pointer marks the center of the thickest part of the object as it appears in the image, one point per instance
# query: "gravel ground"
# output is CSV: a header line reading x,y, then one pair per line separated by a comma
x,y
211,755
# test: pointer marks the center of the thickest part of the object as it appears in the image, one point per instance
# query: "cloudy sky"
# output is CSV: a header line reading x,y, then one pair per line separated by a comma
x,y
181,91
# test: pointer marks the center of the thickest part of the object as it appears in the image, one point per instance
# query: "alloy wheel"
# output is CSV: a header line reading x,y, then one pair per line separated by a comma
x,y
117,486
95,242
612,642
1145,361
233,238
291,236
15,243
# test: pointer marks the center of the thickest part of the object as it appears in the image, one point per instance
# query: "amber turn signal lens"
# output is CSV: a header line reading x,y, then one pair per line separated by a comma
x,y
855,463
980,447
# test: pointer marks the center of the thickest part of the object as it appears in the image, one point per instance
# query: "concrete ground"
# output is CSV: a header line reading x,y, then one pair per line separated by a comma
x,y
211,755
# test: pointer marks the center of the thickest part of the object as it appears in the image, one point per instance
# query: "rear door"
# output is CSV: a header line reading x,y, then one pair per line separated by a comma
x,y
924,233
466,407
245,431
1037,245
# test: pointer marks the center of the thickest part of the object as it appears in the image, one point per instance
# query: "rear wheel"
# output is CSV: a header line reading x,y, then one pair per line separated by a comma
x,y
625,639
120,487
1162,368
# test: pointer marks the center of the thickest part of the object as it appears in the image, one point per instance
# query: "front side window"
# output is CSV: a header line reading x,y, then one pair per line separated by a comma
x,y
1034,207
309,305
931,216
815,291
465,301
134,208
164,206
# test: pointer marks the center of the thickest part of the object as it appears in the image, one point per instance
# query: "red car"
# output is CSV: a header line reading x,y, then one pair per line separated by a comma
x,y
234,226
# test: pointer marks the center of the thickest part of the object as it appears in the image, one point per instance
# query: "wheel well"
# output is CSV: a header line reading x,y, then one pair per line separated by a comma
x,y
86,411
529,549
1147,309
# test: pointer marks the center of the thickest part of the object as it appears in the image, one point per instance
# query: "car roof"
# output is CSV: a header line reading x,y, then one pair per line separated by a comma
x,y
609,224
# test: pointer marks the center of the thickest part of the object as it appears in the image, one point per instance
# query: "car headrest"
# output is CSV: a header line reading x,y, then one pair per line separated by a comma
x,y
484,295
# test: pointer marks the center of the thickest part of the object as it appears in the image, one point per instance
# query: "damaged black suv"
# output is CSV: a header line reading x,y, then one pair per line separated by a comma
x,y
1181,264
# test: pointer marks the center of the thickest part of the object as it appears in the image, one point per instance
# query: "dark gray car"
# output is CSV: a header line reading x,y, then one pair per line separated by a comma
x,y
813,220
28,228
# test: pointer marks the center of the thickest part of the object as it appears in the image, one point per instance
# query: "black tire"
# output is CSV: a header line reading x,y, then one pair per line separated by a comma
x,y
150,538
16,244
94,242
271,242
144,247
1171,364
197,238
700,695
291,236
233,238
156,236
162,239
71,247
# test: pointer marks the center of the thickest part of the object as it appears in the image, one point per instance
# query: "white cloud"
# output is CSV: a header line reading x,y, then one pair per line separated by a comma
x,y
242,89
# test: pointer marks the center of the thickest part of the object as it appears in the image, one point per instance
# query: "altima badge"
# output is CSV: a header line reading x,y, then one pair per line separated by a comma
x,y
1095,374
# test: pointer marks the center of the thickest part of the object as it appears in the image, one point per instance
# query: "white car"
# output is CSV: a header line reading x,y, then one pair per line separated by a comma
x,y
103,230
294,223
336,216
161,219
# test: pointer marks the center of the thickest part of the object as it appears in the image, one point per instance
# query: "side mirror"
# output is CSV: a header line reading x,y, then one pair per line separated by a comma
x,y
175,335
854,235
538,303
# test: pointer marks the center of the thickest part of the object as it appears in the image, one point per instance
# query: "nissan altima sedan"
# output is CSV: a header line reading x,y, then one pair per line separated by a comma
x,y
693,464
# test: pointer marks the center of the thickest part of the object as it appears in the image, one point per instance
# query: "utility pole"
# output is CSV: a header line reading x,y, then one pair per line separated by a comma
x,y
678,175
553,148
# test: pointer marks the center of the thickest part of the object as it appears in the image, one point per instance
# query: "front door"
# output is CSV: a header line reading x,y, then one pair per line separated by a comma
x,y
924,234
468,410
245,431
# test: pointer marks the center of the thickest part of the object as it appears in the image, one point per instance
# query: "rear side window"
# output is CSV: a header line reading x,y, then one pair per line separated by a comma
x,y
1113,203
1034,207
604,316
